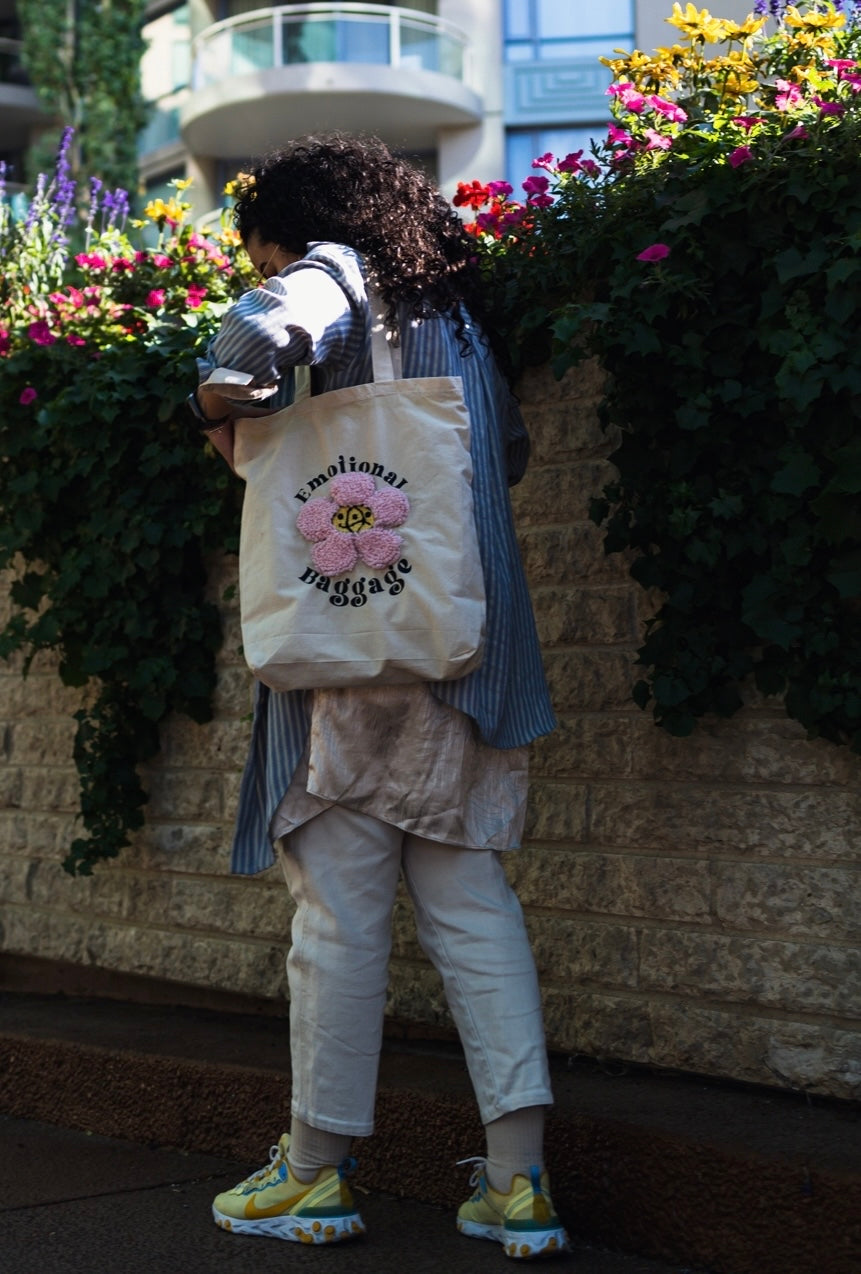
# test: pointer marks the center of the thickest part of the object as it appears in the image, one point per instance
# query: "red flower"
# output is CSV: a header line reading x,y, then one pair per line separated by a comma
x,y
472,195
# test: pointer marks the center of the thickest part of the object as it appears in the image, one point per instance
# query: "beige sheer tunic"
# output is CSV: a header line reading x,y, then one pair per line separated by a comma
x,y
398,754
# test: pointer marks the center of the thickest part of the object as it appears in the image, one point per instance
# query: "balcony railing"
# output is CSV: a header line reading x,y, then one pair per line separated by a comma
x,y
11,67
297,34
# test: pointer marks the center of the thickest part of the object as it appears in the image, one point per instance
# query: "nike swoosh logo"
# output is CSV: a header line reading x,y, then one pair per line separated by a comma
x,y
253,1213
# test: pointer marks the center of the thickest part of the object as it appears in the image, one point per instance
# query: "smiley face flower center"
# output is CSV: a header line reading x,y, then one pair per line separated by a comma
x,y
353,517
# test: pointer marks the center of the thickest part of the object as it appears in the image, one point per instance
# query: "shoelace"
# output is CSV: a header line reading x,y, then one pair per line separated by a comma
x,y
477,1172
275,1161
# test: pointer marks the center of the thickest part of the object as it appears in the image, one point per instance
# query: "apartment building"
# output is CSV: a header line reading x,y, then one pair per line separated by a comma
x,y
469,88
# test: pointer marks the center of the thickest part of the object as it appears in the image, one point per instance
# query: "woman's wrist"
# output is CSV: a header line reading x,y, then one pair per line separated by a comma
x,y
205,423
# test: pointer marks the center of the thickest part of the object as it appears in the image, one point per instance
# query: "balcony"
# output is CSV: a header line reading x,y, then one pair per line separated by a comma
x,y
262,77
19,105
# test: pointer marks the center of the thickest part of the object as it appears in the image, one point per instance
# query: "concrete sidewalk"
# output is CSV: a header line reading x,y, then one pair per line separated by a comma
x,y
697,1174
76,1203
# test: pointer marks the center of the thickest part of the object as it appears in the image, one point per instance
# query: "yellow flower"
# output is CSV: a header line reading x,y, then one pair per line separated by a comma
x,y
240,183
181,183
158,210
793,18
229,237
697,24
741,30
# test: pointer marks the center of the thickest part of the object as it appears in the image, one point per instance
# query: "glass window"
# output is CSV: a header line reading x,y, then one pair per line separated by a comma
x,y
542,29
522,145
166,63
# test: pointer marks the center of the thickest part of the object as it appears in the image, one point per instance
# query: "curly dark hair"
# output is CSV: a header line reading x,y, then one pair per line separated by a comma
x,y
353,190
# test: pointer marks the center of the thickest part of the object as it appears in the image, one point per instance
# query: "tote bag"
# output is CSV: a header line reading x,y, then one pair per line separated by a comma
x,y
358,556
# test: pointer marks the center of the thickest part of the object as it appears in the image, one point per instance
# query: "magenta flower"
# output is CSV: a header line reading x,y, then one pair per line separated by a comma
x,y
5,342
155,299
547,161
160,260
654,252
789,95
72,339
590,168
840,64
27,396
630,98
571,163
657,141
829,108
747,122
121,265
669,110
194,296
354,525
739,156
798,131
619,136
40,333
91,260
854,81
499,189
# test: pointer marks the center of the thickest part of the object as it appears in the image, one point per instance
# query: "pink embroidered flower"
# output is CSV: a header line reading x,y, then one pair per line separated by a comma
x,y
354,524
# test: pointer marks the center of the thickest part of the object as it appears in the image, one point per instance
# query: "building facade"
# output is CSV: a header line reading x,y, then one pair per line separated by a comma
x,y
470,88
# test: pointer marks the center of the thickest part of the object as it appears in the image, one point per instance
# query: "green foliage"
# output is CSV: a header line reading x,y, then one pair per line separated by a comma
x,y
713,266
84,62
109,500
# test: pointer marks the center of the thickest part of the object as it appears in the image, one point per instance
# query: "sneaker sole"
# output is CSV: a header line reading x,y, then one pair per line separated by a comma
x,y
296,1229
522,1245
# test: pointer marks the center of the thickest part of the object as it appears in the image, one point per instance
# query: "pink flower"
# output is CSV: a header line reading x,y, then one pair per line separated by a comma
x,y
668,109
618,135
160,260
657,141
536,191
798,131
590,168
72,339
499,189
155,299
740,155
122,264
40,333
789,95
854,81
571,163
354,524
547,161
628,96
195,295
91,260
654,252
829,108
27,396
5,342
747,122
840,64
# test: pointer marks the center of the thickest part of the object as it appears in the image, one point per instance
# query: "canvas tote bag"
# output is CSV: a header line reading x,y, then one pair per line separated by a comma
x,y
358,557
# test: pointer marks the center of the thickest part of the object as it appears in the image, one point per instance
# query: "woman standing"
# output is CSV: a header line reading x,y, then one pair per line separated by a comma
x,y
354,787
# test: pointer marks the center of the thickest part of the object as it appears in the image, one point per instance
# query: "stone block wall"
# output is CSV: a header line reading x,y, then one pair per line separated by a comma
x,y
692,902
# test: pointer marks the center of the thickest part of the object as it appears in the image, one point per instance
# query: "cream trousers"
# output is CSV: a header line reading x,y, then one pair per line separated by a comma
x,y
342,869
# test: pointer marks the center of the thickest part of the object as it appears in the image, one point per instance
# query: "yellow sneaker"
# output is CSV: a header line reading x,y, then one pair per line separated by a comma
x,y
272,1202
523,1221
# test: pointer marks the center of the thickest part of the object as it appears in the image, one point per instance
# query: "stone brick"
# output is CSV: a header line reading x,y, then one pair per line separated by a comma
x,y
583,384
197,795
794,824
233,906
234,695
584,614
566,431
749,970
584,680
746,749
202,848
47,741
556,812
568,952
51,935
788,899
50,888
584,746
55,789
559,493
14,873
216,745
756,1048
598,1024
633,886
11,786
415,994
570,554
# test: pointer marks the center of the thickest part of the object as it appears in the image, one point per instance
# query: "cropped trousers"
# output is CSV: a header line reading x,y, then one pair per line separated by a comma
x,y
342,869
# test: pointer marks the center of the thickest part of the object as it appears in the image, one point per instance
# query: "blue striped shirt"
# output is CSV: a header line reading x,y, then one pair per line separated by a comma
x,y
316,312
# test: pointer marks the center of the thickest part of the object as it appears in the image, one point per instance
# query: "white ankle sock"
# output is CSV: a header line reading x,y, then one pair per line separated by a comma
x,y
313,1148
514,1143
